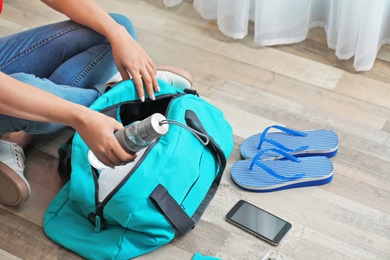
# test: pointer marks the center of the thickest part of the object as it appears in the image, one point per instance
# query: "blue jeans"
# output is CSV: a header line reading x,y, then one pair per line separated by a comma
x,y
66,59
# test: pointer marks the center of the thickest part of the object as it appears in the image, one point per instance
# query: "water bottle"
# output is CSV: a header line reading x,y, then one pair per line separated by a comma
x,y
135,136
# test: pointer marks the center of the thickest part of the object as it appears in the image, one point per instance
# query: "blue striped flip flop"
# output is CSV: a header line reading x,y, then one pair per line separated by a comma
x,y
297,143
290,172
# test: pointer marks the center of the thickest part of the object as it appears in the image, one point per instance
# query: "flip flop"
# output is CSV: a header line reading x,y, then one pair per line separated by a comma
x,y
297,143
272,175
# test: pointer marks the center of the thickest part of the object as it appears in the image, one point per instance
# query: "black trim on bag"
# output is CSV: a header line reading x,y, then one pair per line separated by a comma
x,y
64,159
191,91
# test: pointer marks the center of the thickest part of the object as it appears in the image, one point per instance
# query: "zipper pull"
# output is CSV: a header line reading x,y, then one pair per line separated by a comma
x,y
97,224
97,221
191,91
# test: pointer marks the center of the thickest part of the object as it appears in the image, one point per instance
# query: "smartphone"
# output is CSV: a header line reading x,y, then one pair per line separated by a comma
x,y
258,222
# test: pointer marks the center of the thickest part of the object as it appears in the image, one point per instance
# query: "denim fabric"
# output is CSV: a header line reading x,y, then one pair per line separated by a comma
x,y
66,59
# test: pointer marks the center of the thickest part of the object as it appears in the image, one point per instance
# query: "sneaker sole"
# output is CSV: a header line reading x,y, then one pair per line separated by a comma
x,y
14,188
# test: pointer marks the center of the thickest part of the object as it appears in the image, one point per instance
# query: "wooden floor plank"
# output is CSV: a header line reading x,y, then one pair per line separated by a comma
x,y
366,89
24,239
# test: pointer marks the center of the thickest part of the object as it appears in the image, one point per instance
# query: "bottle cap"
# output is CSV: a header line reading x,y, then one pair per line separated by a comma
x,y
151,128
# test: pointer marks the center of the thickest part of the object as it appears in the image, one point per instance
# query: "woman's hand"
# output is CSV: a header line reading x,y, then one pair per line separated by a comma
x,y
132,60
98,133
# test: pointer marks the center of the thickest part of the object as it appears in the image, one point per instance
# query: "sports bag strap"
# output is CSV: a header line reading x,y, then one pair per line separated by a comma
x,y
194,122
64,159
176,216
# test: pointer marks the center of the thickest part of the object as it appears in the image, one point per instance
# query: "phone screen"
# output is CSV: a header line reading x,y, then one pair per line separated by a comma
x,y
258,221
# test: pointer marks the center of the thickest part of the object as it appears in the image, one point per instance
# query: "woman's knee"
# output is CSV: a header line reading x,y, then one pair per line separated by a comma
x,y
123,20
9,124
34,127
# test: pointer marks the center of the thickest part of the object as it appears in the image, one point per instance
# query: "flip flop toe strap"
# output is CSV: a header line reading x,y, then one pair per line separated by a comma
x,y
263,138
280,146
258,162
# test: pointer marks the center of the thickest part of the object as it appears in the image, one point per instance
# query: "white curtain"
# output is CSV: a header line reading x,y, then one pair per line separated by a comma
x,y
354,27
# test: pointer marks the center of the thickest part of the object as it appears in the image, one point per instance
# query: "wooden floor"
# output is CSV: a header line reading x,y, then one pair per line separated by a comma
x,y
302,86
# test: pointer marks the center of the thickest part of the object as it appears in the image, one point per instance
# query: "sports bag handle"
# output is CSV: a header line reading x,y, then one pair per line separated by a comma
x,y
175,215
167,205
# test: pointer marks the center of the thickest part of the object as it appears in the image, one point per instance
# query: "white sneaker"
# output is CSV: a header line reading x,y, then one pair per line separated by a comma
x,y
174,76
15,189
116,78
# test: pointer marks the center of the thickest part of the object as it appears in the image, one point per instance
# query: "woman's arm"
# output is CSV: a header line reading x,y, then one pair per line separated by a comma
x,y
130,57
21,100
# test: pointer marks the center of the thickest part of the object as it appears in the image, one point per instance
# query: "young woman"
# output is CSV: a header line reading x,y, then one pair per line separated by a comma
x,y
49,76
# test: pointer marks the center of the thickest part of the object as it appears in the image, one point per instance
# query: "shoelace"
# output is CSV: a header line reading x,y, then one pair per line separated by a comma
x,y
18,156
273,255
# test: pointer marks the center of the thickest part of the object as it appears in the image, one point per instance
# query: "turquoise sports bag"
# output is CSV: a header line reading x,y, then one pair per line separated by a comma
x,y
131,210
